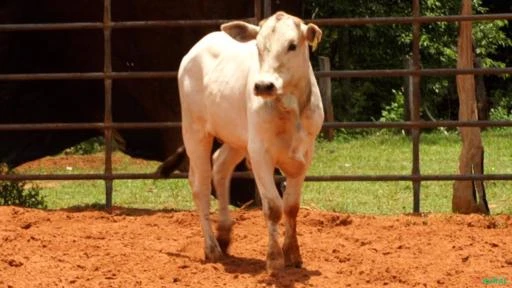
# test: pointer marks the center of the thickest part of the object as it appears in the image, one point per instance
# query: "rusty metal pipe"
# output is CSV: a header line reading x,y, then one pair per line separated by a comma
x,y
415,106
166,125
369,73
107,130
310,178
218,22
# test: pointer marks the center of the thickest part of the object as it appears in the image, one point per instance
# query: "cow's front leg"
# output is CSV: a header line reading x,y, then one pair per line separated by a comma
x,y
291,200
224,162
263,169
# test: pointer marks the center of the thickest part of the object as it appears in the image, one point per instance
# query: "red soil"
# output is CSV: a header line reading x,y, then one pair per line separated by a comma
x,y
93,162
139,248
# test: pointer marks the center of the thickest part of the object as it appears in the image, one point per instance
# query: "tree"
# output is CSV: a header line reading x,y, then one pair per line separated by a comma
x,y
385,46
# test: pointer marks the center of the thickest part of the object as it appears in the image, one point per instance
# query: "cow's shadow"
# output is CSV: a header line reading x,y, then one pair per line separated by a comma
x,y
232,264
257,267
286,278
118,210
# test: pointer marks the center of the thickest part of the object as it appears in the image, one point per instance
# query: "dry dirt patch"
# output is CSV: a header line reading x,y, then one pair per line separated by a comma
x,y
139,248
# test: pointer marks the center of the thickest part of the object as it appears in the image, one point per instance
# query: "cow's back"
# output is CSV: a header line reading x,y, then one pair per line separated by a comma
x,y
213,79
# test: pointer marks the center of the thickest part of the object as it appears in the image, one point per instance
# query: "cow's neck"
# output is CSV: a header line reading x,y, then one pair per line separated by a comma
x,y
296,99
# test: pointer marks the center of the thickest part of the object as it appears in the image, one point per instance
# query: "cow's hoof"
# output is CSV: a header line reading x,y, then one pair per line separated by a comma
x,y
294,261
275,267
213,253
292,256
275,262
224,236
224,243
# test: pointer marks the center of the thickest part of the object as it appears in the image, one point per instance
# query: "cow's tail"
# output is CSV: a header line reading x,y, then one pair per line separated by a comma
x,y
172,163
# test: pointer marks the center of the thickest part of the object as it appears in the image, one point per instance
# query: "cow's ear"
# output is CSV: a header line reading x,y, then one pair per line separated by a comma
x,y
241,31
313,35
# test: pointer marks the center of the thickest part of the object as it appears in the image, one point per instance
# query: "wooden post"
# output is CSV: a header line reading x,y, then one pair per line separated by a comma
x,y
407,92
471,159
324,84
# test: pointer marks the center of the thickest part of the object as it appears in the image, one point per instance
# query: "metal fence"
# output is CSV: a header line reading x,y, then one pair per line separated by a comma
x,y
261,9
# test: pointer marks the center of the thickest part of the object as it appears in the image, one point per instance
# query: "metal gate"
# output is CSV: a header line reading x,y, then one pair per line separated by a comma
x,y
261,9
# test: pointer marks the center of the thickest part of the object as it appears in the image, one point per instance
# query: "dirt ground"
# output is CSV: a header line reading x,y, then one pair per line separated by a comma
x,y
140,248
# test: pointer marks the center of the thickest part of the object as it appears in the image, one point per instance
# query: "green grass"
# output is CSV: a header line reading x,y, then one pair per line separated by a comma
x,y
146,194
383,153
392,154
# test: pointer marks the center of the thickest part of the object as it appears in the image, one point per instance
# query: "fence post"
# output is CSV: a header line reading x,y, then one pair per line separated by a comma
x,y
414,106
324,84
107,32
471,159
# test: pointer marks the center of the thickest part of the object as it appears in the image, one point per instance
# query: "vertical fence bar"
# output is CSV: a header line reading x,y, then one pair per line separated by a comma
x,y
257,10
415,105
267,8
107,69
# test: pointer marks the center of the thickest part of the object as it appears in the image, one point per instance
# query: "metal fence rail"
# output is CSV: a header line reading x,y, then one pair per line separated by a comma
x,y
343,125
107,75
332,74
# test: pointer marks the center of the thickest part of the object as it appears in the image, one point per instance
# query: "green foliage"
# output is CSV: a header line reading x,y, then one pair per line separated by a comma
x,y
395,110
362,47
502,111
91,146
17,193
386,47
439,50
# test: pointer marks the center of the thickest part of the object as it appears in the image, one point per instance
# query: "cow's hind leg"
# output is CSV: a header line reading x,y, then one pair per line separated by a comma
x,y
200,175
224,161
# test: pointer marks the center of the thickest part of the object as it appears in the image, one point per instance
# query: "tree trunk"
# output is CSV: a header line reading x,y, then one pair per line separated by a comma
x,y
481,94
471,159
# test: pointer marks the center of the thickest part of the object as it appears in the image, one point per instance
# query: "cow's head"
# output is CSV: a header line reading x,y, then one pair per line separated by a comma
x,y
282,41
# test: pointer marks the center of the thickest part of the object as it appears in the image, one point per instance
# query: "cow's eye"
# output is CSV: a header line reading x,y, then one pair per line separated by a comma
x,y
292,47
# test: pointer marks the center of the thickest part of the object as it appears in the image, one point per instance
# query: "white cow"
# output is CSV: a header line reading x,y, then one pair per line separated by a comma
x,y
253,88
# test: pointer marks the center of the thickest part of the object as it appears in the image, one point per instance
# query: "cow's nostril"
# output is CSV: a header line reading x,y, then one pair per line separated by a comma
x,y
269,87
264,87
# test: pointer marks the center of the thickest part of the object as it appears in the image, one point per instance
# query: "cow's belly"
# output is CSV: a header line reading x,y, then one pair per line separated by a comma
x,y
232,132
227,121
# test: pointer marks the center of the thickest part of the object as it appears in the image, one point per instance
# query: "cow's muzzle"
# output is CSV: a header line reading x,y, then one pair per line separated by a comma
x,y
265,89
